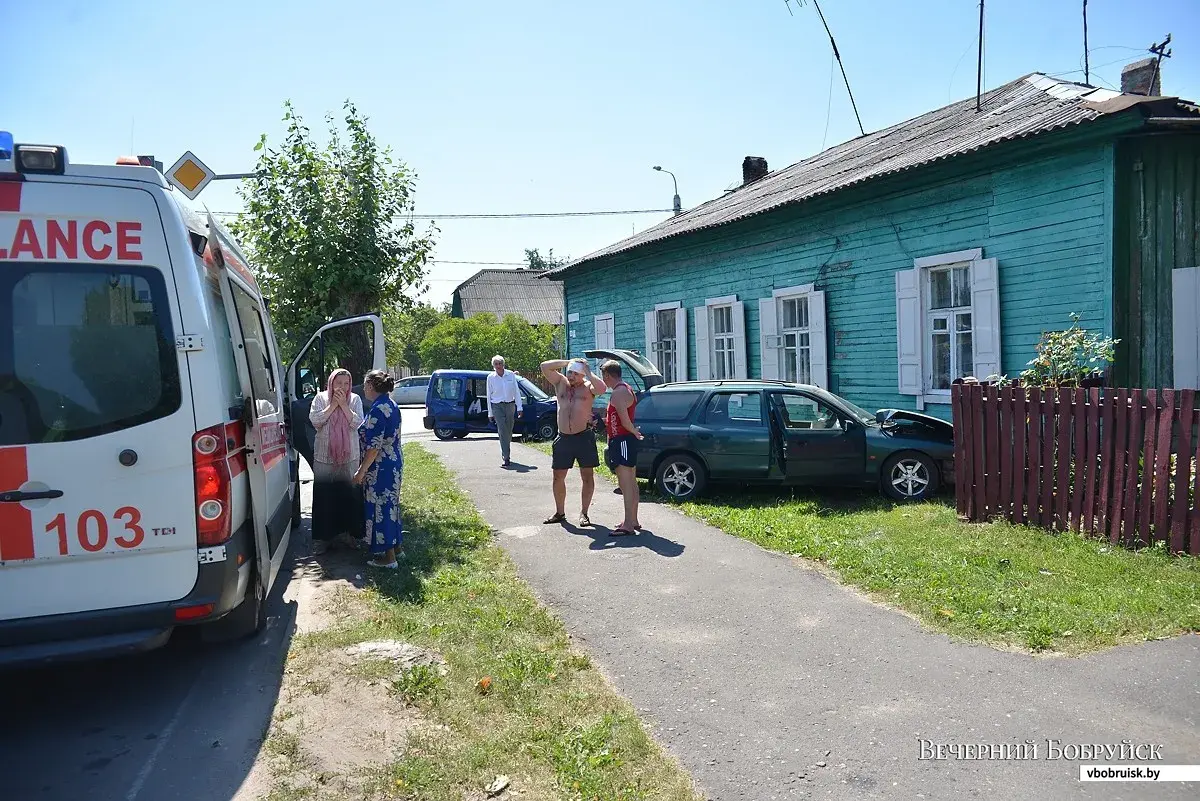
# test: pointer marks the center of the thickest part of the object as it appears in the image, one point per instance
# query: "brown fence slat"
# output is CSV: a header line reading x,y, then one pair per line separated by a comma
x,y
1007,474
1020,437
1062,464
968,449
1183,472
1146,503
1078,457
1046,498
1119,451
1194,521
1034,455
1133,446
1162,466
979,511
1091,456
960,454
1107,435
991,448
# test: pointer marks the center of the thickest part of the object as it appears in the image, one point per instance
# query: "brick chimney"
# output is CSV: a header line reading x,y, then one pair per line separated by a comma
x,y
753,168
1142,78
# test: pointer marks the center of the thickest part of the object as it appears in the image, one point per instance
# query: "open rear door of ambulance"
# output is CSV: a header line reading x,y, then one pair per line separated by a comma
x,y
354,343
267,462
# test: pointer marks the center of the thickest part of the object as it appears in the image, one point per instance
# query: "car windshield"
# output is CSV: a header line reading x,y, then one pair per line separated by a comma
x,y
534,391
857,411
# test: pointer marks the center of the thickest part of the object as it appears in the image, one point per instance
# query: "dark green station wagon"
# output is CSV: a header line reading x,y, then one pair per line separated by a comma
x,y
773,432
792,434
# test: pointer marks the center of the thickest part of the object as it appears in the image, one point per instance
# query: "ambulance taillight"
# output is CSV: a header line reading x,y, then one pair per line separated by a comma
x,y
209,460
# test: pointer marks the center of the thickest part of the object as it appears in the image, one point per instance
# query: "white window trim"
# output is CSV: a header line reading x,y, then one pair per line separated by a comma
x,y
925,288
681,343
706,354
818,332
974,259
607,317
724,300
788,291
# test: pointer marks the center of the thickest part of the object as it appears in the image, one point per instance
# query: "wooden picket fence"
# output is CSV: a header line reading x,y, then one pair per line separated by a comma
x,y
1121,464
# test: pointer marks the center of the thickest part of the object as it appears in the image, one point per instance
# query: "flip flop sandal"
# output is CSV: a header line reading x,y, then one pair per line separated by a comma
x,y
584,521
621,532
555,518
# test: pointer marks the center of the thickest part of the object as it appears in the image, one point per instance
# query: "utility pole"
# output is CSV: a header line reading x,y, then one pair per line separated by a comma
x,y
979,64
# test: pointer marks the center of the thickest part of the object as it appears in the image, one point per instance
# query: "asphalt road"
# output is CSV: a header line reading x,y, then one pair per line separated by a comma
x,y
184,722
770,681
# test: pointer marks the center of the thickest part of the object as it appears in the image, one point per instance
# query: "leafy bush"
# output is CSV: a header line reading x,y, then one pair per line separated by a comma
x,y
1069,357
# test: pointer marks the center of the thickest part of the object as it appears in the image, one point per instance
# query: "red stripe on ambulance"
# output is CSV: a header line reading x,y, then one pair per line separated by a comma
x,y
10,195
16,522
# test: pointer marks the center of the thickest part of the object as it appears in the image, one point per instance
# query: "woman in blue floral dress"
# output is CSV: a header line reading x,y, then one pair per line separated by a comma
x,y
382,469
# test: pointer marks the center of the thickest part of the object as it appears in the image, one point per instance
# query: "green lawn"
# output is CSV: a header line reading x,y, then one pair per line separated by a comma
x,y
546,717
997,583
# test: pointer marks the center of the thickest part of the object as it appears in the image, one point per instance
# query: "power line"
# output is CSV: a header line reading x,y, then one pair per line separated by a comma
x,y
838,56
525,215
447,261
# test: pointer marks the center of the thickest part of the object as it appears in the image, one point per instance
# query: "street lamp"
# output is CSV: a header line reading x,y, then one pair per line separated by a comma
x,y
678,205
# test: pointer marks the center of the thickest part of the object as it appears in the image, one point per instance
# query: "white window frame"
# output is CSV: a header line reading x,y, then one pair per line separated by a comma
x,y
708,349
914,321
774,336
610,319
654,341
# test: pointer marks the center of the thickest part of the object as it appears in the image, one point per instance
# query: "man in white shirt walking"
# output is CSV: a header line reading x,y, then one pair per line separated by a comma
x,y
504,403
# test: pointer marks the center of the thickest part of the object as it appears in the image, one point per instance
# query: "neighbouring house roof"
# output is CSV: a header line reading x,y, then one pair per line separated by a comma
x,y
502,292
1026,107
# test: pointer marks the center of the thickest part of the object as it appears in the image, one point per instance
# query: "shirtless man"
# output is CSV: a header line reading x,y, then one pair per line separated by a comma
x,y
576,441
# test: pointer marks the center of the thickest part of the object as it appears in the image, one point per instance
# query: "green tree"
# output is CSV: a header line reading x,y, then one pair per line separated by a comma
x,y
329,227
537,261
470,344
404,329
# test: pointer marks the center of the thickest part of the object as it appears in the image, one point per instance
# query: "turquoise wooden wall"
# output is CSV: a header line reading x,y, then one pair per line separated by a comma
x,y
1046,217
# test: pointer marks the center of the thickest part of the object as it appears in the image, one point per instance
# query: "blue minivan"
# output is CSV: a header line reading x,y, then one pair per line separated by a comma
x,y
456,405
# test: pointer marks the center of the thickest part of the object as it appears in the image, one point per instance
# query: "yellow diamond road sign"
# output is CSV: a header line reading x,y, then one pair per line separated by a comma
x,y
189,175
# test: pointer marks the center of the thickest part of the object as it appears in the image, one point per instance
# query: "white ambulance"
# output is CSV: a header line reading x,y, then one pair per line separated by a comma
x,y
148,465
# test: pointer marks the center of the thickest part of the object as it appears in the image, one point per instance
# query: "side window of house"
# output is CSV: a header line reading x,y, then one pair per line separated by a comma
x,y
448,389
666,341
947,323
734,409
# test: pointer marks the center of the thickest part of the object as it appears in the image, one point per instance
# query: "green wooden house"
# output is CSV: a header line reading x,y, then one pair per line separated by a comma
x,y
886,267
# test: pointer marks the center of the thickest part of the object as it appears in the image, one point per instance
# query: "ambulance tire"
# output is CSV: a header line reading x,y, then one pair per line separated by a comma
x,y
246,620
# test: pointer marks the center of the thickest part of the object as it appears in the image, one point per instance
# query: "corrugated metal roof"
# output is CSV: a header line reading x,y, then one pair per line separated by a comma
x,y
502,292
1025,107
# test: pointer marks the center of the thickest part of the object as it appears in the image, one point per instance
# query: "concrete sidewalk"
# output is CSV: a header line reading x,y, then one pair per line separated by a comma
x,y
770,681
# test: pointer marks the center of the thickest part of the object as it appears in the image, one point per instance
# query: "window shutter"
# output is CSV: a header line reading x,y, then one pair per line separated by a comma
x,y
651,338
768,329
817,340
908,331
703,344
1185,334
681,343
599,326
985,317
740,366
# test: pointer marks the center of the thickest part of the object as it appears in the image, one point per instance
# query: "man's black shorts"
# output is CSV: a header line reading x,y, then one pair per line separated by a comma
x,y
621,452
570,448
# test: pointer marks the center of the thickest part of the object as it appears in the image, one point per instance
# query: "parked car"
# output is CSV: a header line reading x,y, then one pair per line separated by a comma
x,y
411,391
456,405
772,432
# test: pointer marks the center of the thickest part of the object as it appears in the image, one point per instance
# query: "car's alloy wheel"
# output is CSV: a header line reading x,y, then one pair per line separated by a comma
x,y
547,429
910,477
681,477
444,433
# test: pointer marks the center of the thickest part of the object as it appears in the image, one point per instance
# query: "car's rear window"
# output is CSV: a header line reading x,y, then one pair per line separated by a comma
x,y
667,406
83,352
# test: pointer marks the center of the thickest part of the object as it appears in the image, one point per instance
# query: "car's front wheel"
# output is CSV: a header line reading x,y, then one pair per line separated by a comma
x,y
910,476
445,434
547,428
681,477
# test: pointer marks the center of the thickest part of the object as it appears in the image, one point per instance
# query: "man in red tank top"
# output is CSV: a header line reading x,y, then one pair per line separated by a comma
x,y
623,438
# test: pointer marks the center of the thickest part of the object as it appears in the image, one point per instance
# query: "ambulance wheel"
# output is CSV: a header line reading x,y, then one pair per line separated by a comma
x,y
246,620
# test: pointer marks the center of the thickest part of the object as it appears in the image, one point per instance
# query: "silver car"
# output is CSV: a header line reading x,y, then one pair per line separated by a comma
x,y
411,391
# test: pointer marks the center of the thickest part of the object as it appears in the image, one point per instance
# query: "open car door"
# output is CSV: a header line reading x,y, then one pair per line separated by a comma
x,y
262,414
355,343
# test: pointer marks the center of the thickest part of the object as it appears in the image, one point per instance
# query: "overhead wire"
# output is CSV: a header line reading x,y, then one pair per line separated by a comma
x,y
521,215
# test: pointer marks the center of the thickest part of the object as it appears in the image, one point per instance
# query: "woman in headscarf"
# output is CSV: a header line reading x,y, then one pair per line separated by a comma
x,y
381,470
337,507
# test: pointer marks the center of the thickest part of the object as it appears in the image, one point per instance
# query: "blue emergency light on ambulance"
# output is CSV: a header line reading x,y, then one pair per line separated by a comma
x,y
6,146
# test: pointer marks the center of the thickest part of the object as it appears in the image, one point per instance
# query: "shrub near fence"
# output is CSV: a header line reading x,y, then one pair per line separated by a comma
x,y
1115,463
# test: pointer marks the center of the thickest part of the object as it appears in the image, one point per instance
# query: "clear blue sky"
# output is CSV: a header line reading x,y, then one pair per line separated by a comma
x,y
535,106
